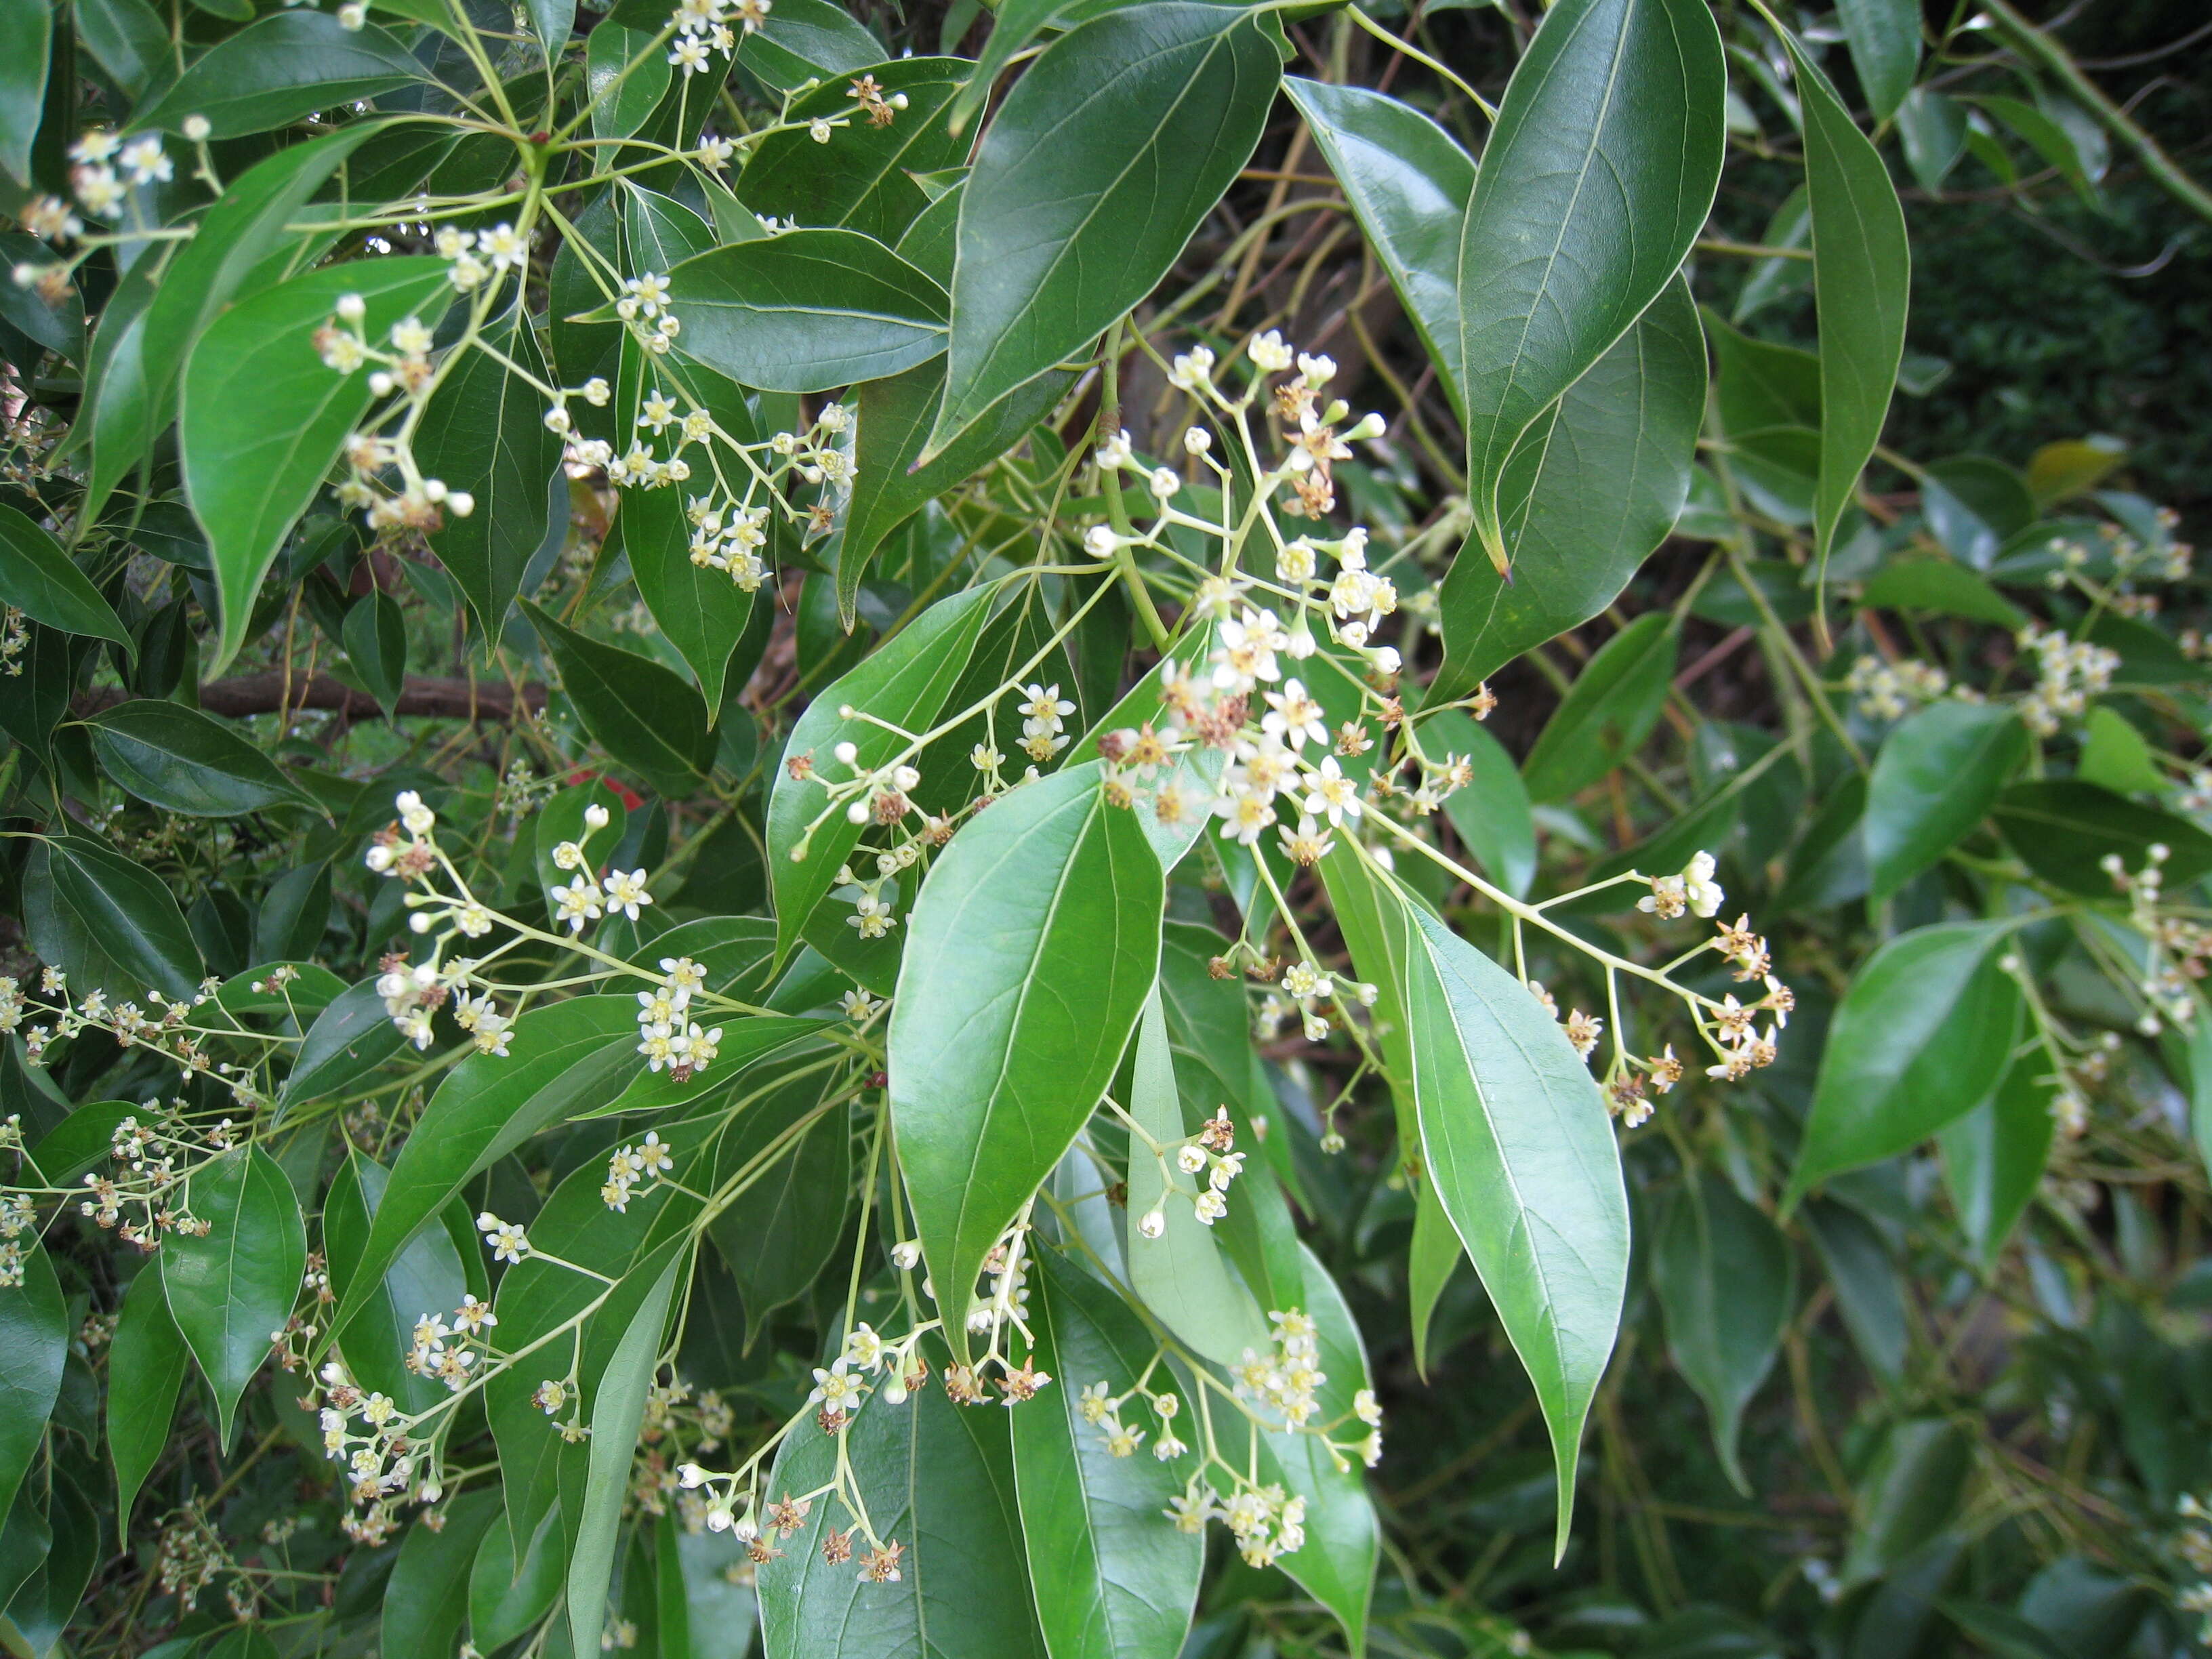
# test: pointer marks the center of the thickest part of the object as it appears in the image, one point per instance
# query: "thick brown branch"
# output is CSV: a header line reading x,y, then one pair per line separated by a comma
x,y
264,693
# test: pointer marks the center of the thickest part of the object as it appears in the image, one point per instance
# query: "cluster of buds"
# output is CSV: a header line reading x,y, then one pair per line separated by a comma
x,y
15,639
154,1162
1286,1380
1306,990
1694,891
171,1032
384,483
2069,673
367,1434
2180,948
1891,690
190,1555
483,256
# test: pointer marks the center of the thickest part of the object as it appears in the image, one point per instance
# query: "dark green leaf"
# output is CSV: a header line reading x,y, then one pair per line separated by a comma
x,y
183,761
1922,1035
806,311
1932,131
803,40
55,321
1607,713
34,1332
642,714
145,1369
2063,830
1114,1577
781,1232
1994,1156
1934,780
509,1595
863,177
1034,944
902,683
428,1593
1885,39
1908,1493
109,921
1939,586
1089,180
38,578
1598,175
280,69
426,1281
375,639
351,1038
1862,273
621,103
1727,1282
1866,1284
1518,1144
232,1287
261,419
127,37
26,34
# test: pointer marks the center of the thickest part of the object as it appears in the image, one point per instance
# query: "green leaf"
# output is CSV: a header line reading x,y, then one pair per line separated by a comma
x,y
231,1288
1607,713
622,104
109,920
1727,1282
484,431
1943,586
51,1597
40,580
780,1233
1866,1284
891,482
82,1141
1113,1577
508,1596
1598,175
426,1280
1518,1144
183,761
35,1333
375,639
25,39
1922,1033
1015,25
273,72
617,1414
938,1480
1861,276
643,714
1994,1156
1181,1275
2200,1089
902,684
261,420
2115,755
1909,1491
1034,945
1934,779
351,1038
1090,178
863,177
241,246
1975,505
1885,41
145,1369
57,323
2063,830
806,311
1931,128
1591,487
1491,813
428,1594
805,39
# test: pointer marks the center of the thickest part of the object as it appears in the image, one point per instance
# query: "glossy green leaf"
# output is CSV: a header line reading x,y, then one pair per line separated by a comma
x,y
1931,130
1909,1492
780,1233
889,487
1598,175
806,311
1726,1281
1113,1578
261,420
425,1280
902,683
863,179
1942,587
1884,41
508,1594
107,919
82,1141
939,1481
1522,1152
1491,813
643,714
39,579
35,1333
54,321
1607,713
183,761
289,65
375,639
617,1414
428,1595
1089,181
1922,1034
1181,1275
351,1038
622,98
1994,1156
2115,755
26,34
484,431
1868,1291
241,246
1034,945
1975,504
1935,779
232,1287
1862,274
145,1369
2063,830
803,40
1015,25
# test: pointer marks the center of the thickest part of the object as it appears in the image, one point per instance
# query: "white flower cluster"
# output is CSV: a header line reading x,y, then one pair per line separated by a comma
x,y
703,28
1101,1408
2179,947
668,1036
383,482
1287,1379
107,168
1694,890
637,1165
1305,988
1210,1153
2069,673
1891,690
483,256
447,1352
